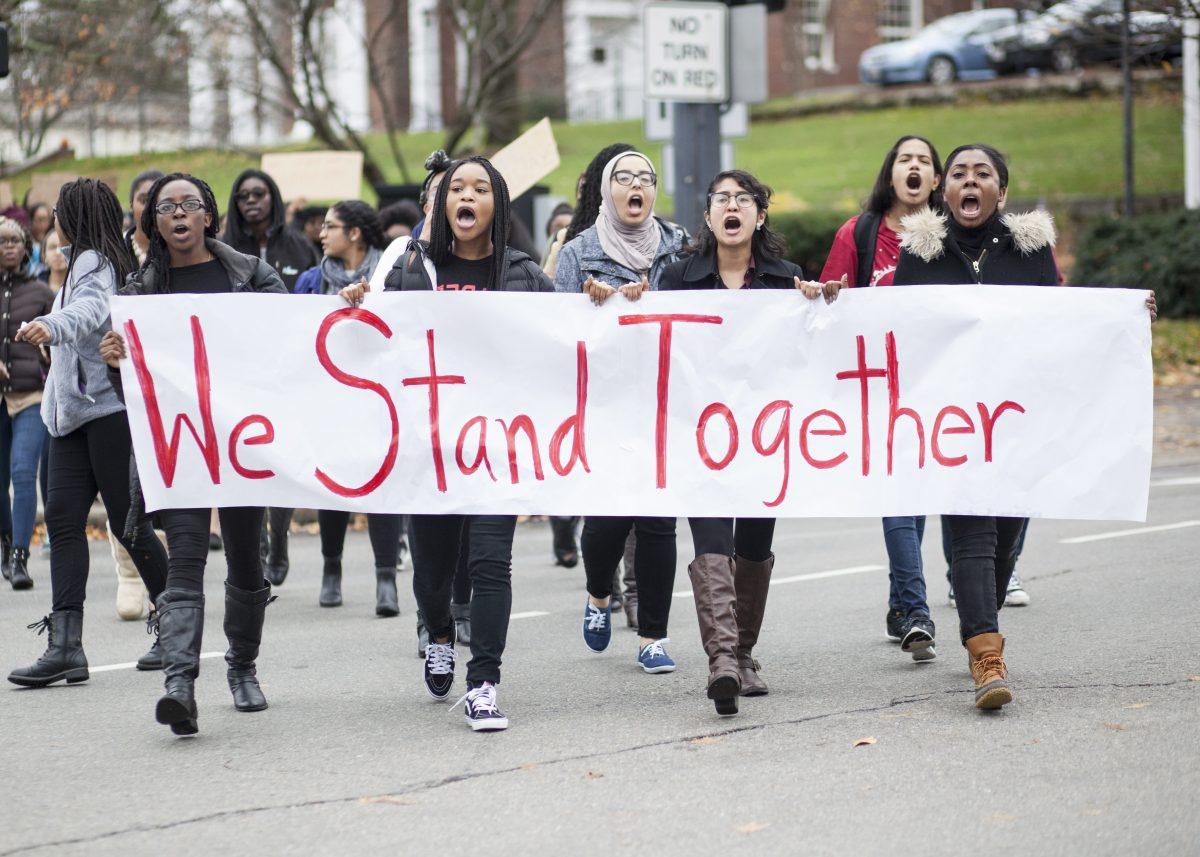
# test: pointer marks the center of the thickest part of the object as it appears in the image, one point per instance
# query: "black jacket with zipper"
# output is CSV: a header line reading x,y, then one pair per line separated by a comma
x,y
22,299
414,271
700,272
1020,252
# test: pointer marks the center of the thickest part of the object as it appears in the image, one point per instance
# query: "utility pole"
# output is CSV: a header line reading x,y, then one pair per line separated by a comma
x,y
1191,105
1127,106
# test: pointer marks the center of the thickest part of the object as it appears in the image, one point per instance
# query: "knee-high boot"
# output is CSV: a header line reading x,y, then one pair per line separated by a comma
x,y
276,566
244,613
713,589
753,580
180,631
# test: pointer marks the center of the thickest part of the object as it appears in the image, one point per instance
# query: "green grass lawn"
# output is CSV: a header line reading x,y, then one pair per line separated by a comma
x,y
1058,148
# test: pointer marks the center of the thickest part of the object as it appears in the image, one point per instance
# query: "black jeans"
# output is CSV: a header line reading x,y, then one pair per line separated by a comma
x,y
749,538
603,546
94,458
435,541
384,531
462,575
984,551
187,546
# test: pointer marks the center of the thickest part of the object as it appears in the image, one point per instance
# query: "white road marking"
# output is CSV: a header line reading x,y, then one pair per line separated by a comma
x,y
133,664
1117,534
816,575
1171,483
528,614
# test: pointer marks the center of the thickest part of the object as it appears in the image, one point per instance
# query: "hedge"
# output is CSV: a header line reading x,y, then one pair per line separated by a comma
x,y
1153,251
809,236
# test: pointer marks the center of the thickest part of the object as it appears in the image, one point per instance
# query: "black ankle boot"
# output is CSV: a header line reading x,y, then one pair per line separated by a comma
x,y
6,555
244,613
153,659
331,583
277,565
63,658
180,631
387,603
18,570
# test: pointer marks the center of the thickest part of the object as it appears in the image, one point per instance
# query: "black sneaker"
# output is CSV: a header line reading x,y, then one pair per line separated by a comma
x,y
917,638
482,713
439,669
895,625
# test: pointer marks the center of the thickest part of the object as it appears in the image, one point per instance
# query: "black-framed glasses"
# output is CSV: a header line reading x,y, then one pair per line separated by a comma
x,y
329,227
625,178
166,209
11,241
248,195
721,199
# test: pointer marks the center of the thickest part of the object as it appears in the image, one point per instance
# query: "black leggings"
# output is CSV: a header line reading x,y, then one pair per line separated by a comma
x,y
94,458
384,531
603,546
749,538
984,551
461,593
187,546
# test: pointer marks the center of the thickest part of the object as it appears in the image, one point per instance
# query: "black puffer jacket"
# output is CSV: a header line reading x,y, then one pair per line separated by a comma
x,y
414,271
1019,253
22,299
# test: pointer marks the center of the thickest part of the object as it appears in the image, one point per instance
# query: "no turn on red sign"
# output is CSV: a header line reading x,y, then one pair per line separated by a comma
x,y
686,52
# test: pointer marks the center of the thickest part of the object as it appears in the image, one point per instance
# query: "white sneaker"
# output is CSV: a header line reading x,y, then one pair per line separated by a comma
x,y
1016,596
482,713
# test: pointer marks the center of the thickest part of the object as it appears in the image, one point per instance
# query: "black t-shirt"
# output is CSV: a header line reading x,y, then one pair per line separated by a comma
x,y
464,275
207,278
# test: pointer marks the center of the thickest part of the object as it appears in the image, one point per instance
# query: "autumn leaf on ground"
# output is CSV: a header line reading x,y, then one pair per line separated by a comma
x,y
1138,705
863,742
1003,816
1116,727
707,739
1194,678
592,775
753,827
529,766
392,799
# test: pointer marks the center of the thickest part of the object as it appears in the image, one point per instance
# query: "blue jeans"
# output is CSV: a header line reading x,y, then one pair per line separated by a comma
x,y
903,535
21,440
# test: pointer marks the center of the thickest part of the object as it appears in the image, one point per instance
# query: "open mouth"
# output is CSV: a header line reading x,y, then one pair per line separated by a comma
x,y
636,203
732,224
465,218
913,182
179,230
969,206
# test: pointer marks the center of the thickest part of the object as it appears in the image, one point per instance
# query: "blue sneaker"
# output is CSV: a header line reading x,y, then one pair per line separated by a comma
x,y
653,658
597,626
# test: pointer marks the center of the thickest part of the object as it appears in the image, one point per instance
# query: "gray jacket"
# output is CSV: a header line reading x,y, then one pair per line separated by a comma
x,y
77,388
583,256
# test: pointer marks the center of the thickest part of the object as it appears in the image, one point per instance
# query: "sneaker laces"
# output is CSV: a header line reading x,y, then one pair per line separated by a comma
x,y
655,649
596,617
481,699
439,658
1014,583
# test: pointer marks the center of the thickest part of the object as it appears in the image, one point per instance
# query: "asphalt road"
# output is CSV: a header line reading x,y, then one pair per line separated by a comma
x,y
1099,754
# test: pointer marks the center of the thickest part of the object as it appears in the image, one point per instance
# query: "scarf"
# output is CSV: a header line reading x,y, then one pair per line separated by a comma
x,y
633,247
335,277
971,240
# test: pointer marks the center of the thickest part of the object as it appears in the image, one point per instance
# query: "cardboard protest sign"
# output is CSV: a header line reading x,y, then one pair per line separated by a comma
x,y
6,195
45,186
327,175
901,401
528,159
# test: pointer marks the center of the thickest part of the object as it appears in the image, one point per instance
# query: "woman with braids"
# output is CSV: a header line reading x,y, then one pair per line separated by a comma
x,y
736,249
139,244
184,257
22,376
626,250
468,252
89,432
353,240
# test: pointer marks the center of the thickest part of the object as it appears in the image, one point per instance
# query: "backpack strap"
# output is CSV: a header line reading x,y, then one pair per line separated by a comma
x,y
866,234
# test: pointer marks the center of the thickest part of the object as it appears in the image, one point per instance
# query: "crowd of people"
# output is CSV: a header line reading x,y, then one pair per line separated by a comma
x,y
924,221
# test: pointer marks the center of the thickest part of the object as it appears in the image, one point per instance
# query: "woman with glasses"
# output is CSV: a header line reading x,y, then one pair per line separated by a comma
x,y
626,250
89,432
184,257
23,369
736,249
353,241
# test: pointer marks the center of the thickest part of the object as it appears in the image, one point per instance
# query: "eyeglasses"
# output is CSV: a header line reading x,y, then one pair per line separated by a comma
x,y
11,241
248,195
329,227
720,200
625,178
166,209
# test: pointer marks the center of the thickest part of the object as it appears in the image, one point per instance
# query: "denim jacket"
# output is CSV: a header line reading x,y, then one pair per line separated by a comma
x,y
583,256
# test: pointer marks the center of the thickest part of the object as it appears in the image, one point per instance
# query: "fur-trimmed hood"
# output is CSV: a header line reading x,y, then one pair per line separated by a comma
x,y
923,233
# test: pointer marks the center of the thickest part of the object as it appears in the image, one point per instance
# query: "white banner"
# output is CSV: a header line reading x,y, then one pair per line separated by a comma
x,y
937,399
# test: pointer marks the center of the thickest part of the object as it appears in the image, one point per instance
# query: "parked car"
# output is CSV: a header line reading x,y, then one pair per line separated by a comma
x,y
1074,33
949,49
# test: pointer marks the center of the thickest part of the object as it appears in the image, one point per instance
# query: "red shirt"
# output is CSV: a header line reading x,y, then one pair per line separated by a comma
x,y
843,256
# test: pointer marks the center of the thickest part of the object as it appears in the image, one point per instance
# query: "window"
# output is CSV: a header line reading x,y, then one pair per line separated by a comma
x,y
816,39
899,19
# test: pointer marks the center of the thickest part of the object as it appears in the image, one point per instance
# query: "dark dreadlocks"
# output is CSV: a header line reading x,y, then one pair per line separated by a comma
x,y
91,218
588,207
441,236
158,255
356,214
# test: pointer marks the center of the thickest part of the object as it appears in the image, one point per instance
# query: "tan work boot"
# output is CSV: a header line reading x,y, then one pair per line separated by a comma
x,y
131,592
986,657
712,587
753,581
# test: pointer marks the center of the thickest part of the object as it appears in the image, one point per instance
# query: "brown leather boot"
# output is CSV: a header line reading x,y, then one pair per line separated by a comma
x,y
712,587
985,653
753,581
